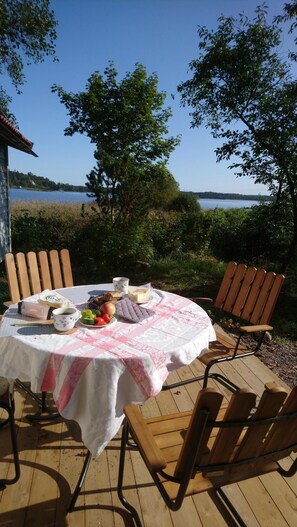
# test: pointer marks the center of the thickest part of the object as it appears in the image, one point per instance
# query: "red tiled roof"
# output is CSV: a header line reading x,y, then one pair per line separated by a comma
x,y
13,137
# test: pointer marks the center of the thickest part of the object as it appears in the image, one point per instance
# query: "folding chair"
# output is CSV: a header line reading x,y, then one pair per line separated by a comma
x,y
212,446
249,294
32,273
7,404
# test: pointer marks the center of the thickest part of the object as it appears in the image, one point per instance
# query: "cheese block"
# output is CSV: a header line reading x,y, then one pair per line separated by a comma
x,y
139,295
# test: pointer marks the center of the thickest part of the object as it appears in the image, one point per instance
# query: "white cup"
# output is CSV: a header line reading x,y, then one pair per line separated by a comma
x,y
120,284
65,318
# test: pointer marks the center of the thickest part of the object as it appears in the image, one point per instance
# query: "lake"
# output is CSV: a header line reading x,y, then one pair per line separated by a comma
x,y
19,194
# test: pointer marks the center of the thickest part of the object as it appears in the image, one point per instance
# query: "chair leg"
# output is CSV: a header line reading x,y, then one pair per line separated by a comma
x,y
207,375
218,377
8,405
230,507
80,482
122,498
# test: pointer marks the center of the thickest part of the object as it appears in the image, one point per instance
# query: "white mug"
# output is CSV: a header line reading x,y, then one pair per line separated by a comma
x,y
65,318
120,284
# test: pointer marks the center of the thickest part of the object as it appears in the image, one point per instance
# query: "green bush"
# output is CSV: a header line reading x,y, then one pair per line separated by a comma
x,y
184,202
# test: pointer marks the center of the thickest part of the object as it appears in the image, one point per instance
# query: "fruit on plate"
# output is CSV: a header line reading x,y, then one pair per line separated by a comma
x,y
99,321
109,308
95,302
96,317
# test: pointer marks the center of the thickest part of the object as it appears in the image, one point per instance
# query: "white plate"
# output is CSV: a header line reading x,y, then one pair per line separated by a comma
x,y
93,326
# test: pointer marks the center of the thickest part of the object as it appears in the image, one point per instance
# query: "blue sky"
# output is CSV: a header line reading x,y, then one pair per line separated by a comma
x,y
160,34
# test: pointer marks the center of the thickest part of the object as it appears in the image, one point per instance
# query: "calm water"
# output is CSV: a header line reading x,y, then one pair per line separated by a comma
x,y
81,197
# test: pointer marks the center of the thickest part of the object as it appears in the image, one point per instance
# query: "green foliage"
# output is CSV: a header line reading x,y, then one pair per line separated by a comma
x,y
27,30
174,233
246,94
105,251
30,181
128,124
38,226
185,252
266,234
184,202
227,236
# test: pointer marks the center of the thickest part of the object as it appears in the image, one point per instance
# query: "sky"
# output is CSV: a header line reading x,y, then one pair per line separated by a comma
x,y
161,35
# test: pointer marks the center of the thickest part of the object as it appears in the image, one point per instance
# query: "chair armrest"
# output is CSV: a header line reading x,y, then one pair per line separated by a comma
x,y
202,299
255,329
7,303
144,438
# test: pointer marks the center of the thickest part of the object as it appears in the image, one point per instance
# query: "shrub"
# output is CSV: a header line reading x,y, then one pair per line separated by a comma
x,y
184,202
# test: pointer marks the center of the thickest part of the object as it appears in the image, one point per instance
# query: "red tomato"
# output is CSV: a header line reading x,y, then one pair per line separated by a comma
x,y
106,317
99,321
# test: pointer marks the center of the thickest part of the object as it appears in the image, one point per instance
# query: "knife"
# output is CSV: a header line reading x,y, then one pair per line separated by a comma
x,y
37,323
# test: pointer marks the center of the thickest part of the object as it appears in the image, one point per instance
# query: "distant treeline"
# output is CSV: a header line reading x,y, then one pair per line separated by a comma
x,y
30,181
220,195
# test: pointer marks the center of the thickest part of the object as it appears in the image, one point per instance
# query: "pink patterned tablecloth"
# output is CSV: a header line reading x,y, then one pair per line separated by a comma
x,y
94,372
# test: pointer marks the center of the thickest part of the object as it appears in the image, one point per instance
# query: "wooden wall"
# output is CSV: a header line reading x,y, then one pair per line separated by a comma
x,y
4,202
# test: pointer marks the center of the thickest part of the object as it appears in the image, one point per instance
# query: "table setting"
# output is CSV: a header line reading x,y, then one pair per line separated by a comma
x,y
94,370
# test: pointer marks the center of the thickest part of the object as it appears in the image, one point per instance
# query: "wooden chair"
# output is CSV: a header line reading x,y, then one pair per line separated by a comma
x,y
212,446
7,404
32,273
249,294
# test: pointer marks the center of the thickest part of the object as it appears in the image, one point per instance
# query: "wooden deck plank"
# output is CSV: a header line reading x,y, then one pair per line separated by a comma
x,y
52,457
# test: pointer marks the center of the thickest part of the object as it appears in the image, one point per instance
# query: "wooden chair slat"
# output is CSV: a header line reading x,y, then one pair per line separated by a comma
x,y
57,280
66,268
239,408
23,277
269,406
244,291
11,273
274,294
234,288
225,285
44,270
249,307
283,433
32,266
207,398
140,432
263,297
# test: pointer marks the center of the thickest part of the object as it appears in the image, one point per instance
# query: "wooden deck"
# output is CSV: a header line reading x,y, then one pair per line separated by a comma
x,y
51,458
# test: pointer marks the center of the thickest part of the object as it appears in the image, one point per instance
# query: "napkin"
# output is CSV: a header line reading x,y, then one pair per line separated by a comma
x,y
35,310
131,311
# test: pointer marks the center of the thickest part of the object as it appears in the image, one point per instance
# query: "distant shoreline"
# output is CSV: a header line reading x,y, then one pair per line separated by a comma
x,y
199,195
229,196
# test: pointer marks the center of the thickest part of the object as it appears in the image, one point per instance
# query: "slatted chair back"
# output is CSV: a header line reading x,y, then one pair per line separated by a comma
x,y
249,293
243,441
31,273
215,445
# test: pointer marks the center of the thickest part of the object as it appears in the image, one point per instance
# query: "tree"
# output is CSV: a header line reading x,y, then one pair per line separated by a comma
x,y
246,95
128,124
290,13
27,29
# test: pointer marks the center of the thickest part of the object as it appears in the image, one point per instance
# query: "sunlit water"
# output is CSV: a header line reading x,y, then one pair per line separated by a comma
x,y
20,194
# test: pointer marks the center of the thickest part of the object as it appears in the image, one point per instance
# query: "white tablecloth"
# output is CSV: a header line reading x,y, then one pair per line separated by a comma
x,y
94,372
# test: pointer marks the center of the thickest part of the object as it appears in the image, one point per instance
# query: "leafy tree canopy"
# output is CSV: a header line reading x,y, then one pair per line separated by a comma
x,y
128,124
27,35
245,93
